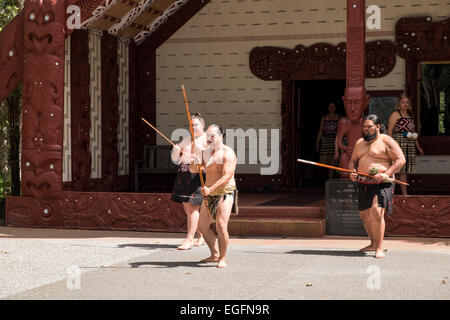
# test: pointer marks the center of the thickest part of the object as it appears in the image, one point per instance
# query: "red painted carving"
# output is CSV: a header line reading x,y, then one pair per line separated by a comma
x,y
419,216
287,153
43,94
98,210
146,86
420,38
88,7
11,56
80,111
355,98
110,113
133,105
319,61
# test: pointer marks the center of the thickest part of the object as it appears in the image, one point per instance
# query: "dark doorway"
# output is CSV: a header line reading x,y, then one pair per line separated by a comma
x,y
311,99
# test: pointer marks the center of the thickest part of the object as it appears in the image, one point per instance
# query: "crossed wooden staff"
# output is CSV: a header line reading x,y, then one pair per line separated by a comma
x,y
191,129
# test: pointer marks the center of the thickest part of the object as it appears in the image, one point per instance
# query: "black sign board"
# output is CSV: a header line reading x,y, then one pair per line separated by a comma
x,y
342,215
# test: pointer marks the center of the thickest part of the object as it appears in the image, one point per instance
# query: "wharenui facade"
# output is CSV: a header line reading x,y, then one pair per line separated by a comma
x,y
90,70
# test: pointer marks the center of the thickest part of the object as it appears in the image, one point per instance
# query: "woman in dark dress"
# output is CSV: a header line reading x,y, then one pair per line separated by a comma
x,y
187,185
326,137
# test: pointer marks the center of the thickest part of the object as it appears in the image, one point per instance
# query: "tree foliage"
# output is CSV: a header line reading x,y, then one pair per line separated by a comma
x,y
8,10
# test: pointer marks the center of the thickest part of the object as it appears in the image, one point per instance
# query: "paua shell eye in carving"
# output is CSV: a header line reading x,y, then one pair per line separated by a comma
x,y
48,17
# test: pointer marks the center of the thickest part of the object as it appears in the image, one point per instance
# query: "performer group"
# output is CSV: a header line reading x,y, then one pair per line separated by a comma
x,y
206,186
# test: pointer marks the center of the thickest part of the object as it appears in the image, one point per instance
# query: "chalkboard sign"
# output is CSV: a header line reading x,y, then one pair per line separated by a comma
x,y
342,214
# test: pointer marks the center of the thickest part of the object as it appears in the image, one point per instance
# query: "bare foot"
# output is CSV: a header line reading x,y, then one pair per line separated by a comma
x,y
186,245
379,254
370,247
199,242
212,258
222,264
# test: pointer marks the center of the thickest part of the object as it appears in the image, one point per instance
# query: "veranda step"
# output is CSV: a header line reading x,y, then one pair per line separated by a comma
x,y
239,226
279,212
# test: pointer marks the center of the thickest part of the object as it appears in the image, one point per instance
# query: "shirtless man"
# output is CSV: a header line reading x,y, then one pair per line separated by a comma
x,y
220,194
375,152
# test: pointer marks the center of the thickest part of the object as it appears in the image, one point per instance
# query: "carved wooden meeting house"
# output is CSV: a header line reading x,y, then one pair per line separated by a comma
x,y
268,67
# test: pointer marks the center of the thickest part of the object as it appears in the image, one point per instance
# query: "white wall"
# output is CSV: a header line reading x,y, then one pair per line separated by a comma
x,y
209,55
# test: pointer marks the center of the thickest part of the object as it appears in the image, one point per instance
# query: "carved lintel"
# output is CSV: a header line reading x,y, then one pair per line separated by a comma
x,y
419,38
319,61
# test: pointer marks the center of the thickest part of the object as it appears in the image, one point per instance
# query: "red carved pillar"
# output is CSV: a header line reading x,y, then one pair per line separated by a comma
x,y
81,107
355,98
133,103
43,95
287,135
110,112
146,84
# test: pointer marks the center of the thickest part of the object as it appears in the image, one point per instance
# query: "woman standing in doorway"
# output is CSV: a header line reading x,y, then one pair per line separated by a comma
x,y
403,129
326,137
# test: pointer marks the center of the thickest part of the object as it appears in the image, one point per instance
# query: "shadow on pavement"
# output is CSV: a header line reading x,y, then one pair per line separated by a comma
x,y
173,264
331,253
148,246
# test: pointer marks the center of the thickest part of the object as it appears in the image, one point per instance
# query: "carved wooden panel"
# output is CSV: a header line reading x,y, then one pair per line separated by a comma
x,y
80,114
421,39
319,61
146,88
98,210
133,109
11,52
43,94
110,112
287,133
419,216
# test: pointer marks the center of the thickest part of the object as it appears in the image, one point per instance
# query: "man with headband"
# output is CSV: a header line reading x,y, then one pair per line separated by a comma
x,y
377,154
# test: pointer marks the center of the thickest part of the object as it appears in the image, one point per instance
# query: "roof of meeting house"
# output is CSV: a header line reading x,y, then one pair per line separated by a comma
x,y
130,19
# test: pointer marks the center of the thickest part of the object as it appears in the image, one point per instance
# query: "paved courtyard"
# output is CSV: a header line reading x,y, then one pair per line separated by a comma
x,y
80,264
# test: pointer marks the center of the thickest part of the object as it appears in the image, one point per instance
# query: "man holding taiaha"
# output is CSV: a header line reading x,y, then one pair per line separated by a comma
x,y
379,155
220,194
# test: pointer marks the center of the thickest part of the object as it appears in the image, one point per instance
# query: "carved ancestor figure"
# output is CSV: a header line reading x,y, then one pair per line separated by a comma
x,y
43,85
351,127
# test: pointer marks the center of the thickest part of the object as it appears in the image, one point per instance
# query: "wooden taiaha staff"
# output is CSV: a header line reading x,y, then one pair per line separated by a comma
x,y
348,170
162,135
191,129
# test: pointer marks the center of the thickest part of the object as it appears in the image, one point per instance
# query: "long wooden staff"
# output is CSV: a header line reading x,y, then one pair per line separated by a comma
x,y
347,170
162,135
191,129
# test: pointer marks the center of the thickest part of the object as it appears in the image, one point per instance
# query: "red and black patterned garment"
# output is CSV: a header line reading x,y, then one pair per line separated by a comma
x,y
327,146
187,186
330,128
408,146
